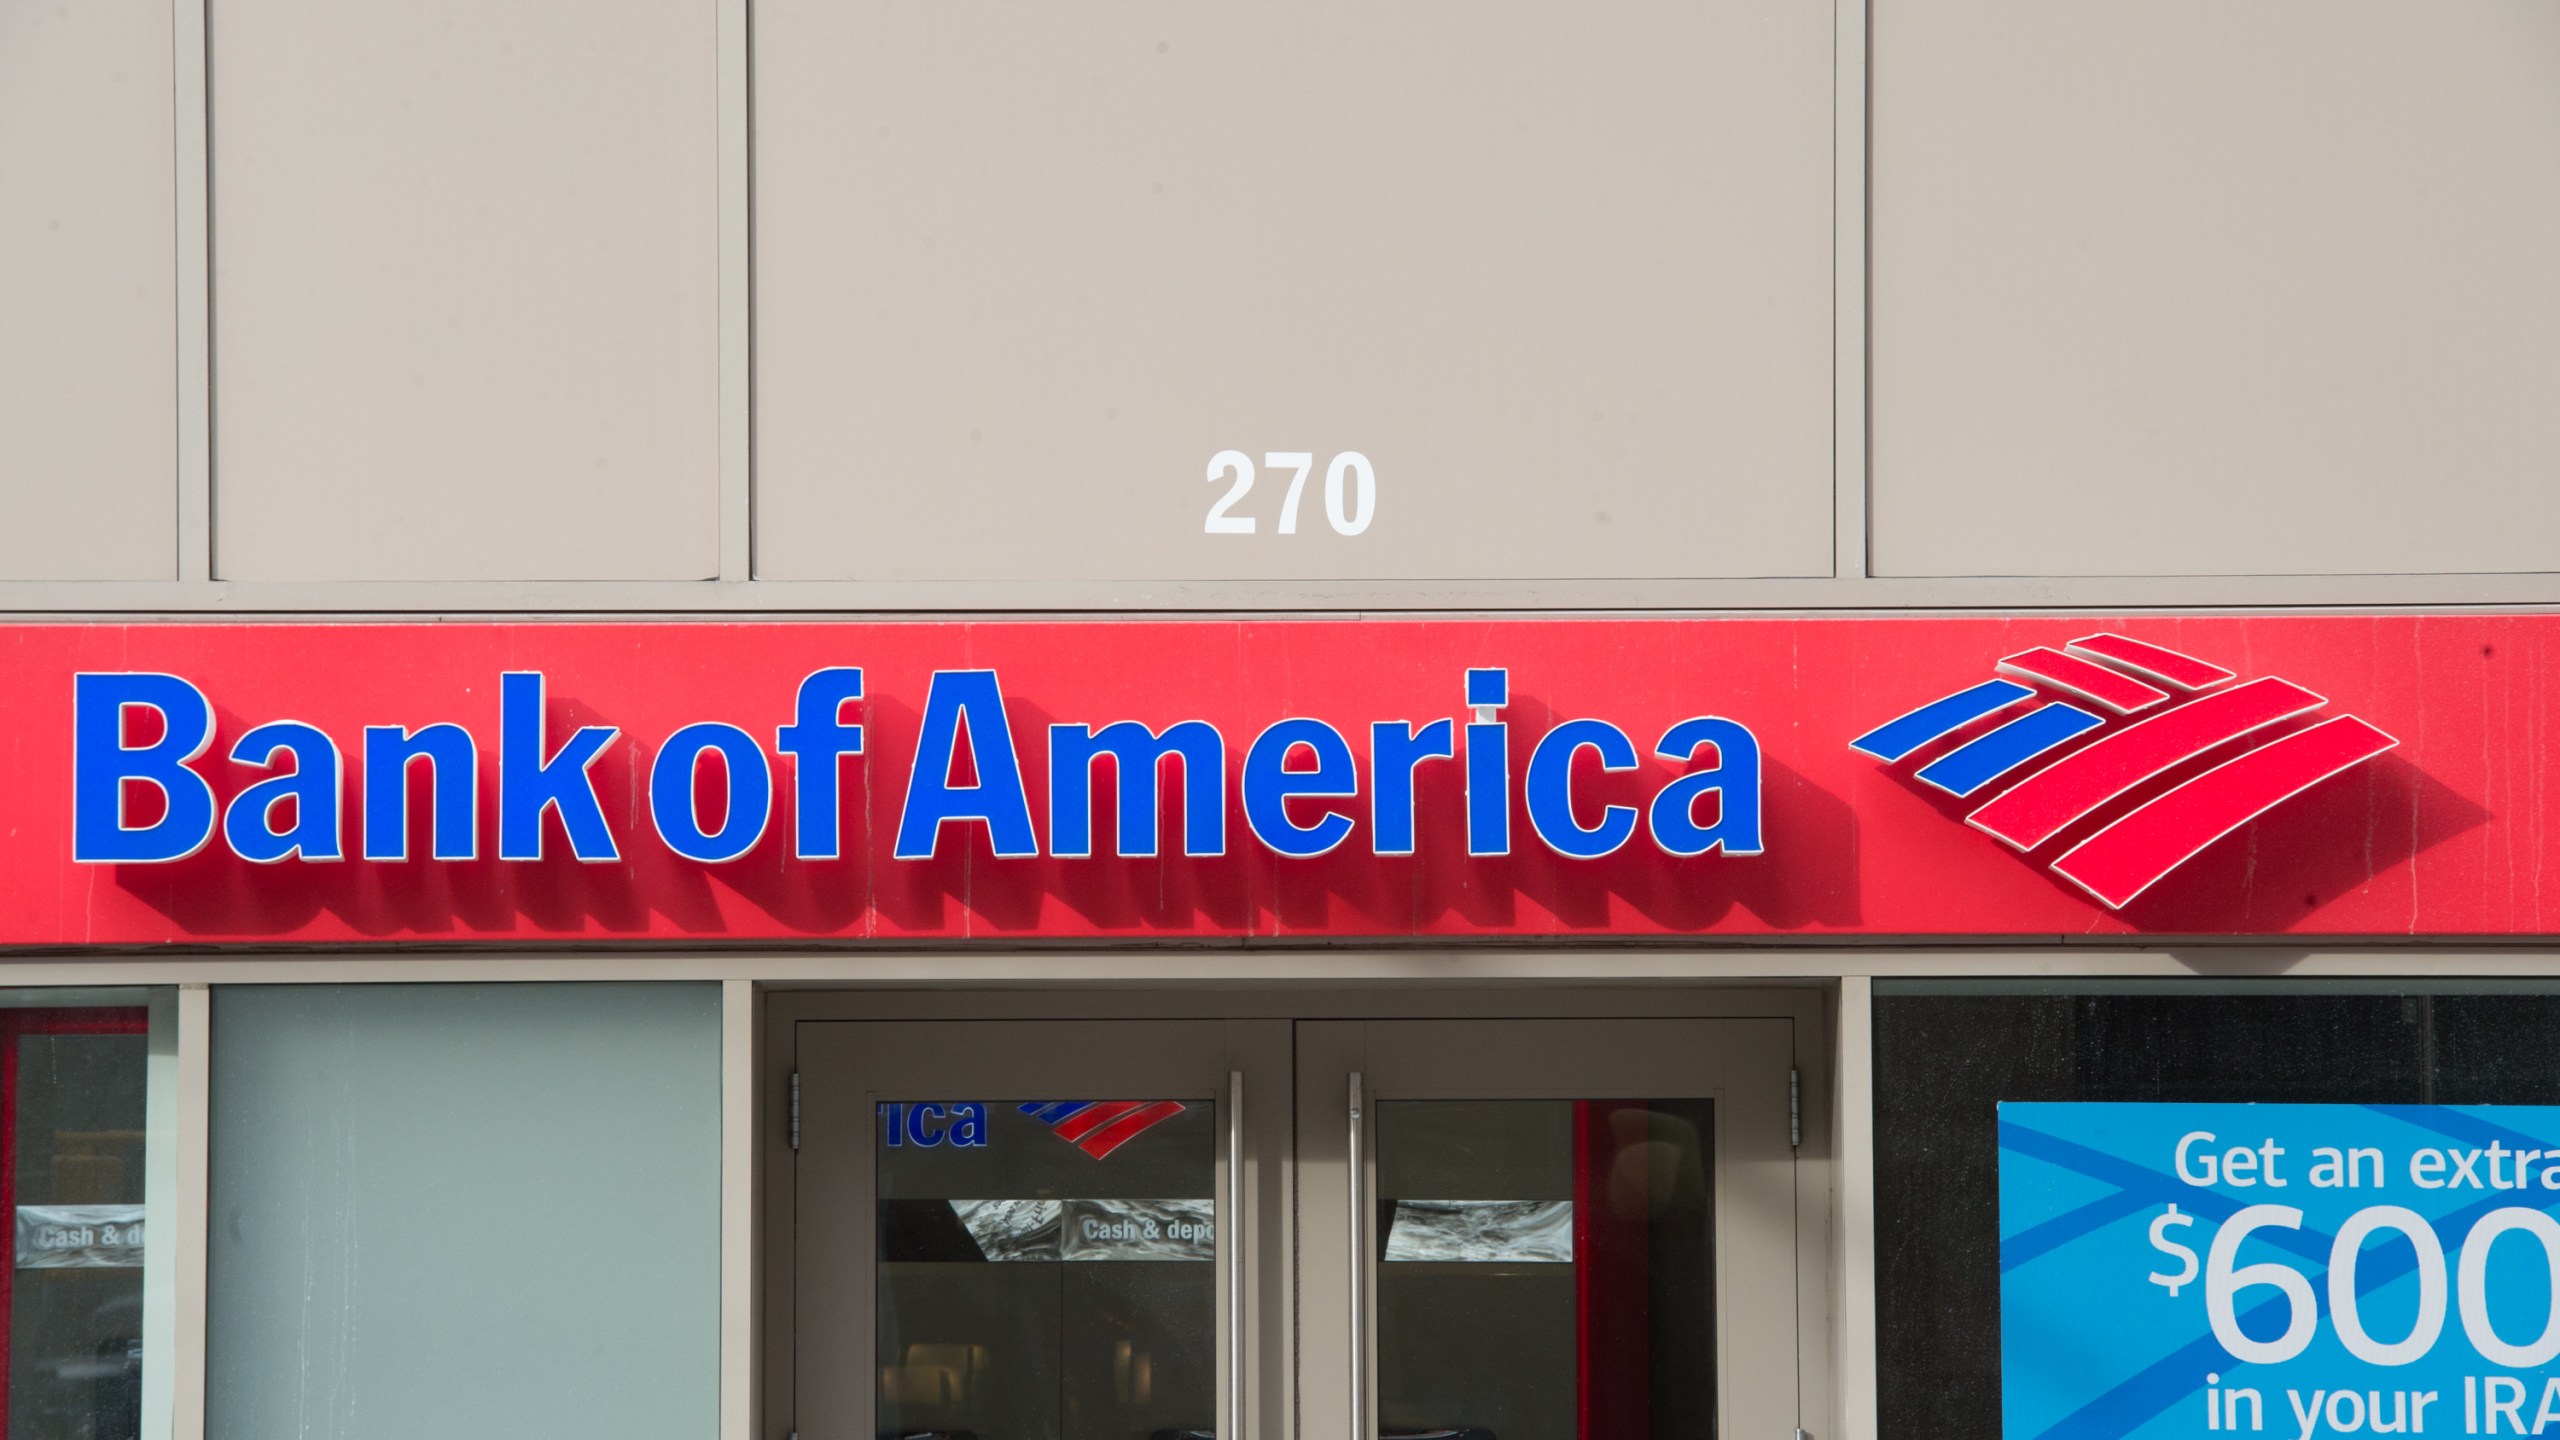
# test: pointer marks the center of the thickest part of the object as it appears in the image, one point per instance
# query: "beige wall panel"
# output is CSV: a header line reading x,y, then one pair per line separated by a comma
x,y
1561,272
2194,287
465,275
88,291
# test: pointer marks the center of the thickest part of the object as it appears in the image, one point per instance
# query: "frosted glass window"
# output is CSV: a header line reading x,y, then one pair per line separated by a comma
x,y
483,1210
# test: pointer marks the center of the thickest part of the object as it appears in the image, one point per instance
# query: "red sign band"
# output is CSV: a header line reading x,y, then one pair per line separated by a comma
x,y
351,783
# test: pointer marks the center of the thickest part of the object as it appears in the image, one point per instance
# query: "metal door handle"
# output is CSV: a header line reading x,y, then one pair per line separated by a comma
x,y
1233,1239
1359,1147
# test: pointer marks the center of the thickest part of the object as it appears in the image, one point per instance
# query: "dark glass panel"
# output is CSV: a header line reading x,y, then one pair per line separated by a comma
x,y
1946,1056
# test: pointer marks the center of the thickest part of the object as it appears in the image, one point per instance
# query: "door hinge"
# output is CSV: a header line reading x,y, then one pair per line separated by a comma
x,y
795,1115
1795,1121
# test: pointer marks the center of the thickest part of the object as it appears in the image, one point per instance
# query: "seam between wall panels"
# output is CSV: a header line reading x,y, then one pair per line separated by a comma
x,y
736,320
191,77
1852,506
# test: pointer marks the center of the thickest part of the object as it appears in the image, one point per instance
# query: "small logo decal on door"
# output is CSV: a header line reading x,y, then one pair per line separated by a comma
x,y
1098,1127
928,1124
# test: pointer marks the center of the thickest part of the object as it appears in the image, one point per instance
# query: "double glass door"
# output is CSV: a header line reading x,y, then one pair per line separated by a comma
x,y
1336,1229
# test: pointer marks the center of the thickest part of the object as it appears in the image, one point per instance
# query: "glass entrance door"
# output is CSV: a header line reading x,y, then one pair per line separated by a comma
x,y
1031,1231
1448,1230
1547,1230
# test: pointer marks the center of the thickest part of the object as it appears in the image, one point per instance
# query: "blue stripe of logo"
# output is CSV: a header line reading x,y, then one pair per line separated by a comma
x,y
1896,738
1055,1112
1977,763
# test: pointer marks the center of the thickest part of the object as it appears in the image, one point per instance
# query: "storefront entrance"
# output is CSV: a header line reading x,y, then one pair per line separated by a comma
x,y
1477,1228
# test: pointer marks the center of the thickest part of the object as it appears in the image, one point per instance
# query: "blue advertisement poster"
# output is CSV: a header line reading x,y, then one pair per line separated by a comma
x,y
2294,1271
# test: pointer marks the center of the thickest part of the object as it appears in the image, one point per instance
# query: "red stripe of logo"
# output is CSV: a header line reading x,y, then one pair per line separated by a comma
x,y
2113,689
2123,860
2039,807
2152,660
1084,1122
1121,1131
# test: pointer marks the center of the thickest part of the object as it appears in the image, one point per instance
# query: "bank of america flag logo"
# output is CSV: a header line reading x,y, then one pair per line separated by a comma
x,y
2157,712
1098,1127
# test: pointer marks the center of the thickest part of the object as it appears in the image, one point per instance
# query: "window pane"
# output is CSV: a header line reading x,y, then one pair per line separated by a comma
x,y
464,1210
75,1121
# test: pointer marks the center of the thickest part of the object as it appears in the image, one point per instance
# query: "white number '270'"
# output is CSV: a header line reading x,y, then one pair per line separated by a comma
x,y
1350,490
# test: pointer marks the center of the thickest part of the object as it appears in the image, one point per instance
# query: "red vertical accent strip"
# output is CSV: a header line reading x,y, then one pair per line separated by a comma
x,y
1613,1276
96,1021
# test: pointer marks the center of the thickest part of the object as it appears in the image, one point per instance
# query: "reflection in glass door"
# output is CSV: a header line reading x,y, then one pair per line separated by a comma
x,y
1046,1269
1029,1231
1545,1269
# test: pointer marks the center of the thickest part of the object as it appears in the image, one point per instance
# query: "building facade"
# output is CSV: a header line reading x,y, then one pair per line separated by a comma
x,y
766,718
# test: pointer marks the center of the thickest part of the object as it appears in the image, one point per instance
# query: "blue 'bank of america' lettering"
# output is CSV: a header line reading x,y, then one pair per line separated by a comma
x,y
294,808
